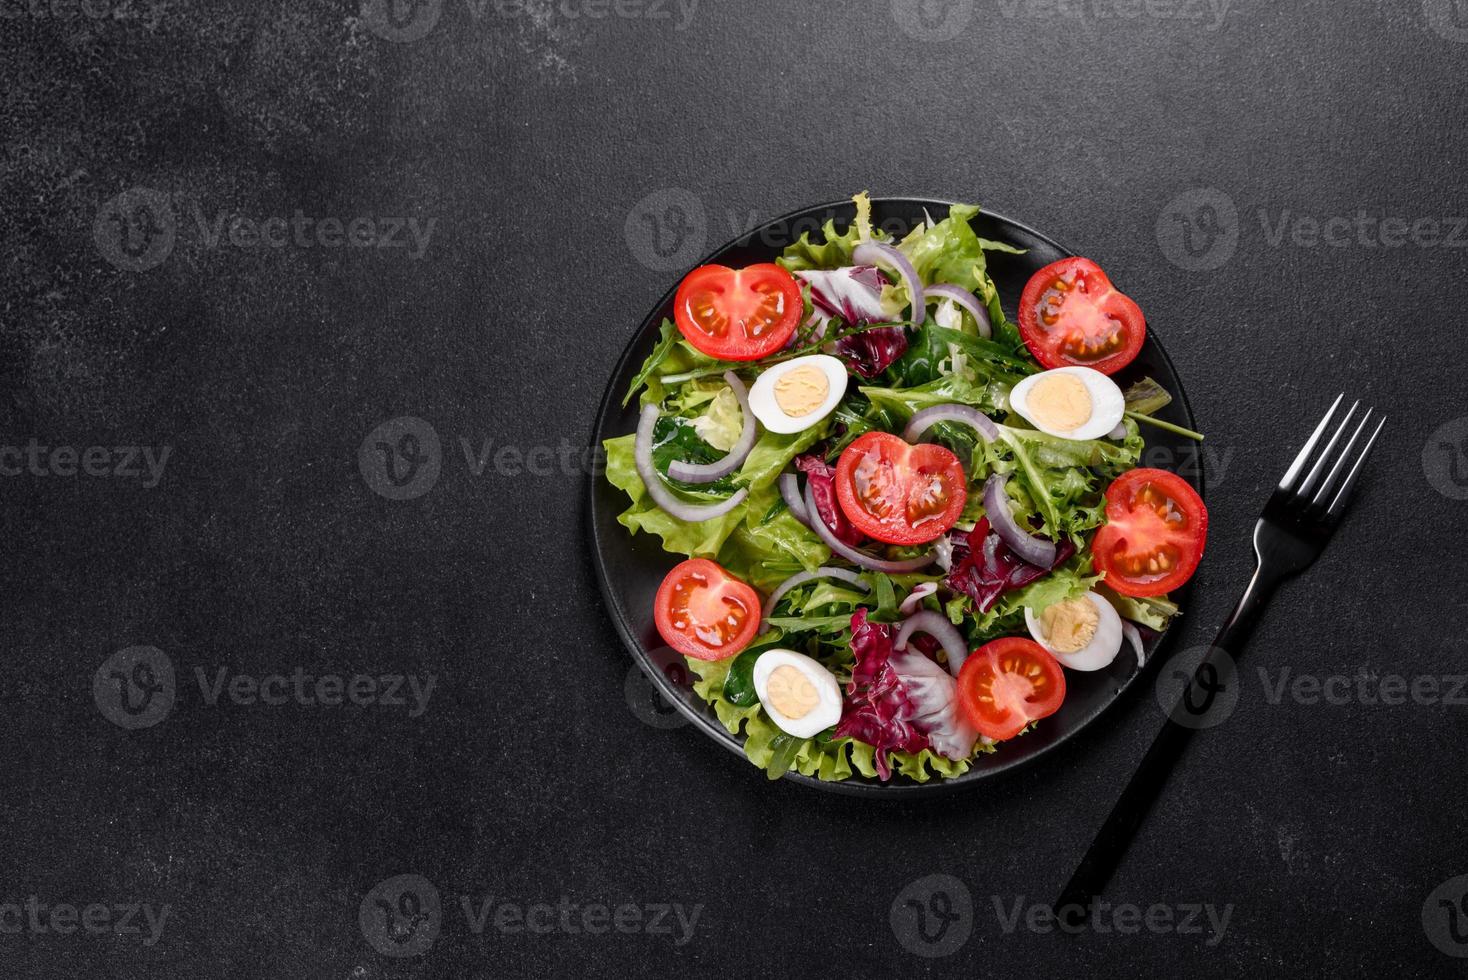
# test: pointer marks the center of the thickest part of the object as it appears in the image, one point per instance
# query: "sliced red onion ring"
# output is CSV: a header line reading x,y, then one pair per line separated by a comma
x,y
851,554
684,511
966,414
1135,639
939,628
887,257
790,492
1117,433
709,472
965,299
1036,551
800,578
920,592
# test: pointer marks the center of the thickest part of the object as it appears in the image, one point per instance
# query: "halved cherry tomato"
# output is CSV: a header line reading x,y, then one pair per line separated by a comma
x,y
738,314
1070,314
704,612
1008,683
1156,528
897,492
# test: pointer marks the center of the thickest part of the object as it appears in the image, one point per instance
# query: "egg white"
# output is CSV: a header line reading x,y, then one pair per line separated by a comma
x,y
1107,403
823,715
1095,655
762,394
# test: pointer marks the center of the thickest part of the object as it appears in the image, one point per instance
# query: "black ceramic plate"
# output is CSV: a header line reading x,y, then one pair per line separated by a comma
x,y
630,567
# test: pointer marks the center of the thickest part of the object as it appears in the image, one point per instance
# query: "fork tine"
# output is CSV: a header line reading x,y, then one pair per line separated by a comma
x,y
1328,453
1338,505
1287,484
1328,487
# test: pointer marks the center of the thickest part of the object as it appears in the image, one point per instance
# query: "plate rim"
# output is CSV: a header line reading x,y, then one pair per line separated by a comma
x,y
892,790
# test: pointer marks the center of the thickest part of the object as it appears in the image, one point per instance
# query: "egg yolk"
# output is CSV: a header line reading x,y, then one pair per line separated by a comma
x,y
791,693
1060,401
801,391
1070,626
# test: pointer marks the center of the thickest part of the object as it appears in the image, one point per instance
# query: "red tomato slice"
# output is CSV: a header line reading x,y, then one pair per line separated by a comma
x,y
897,492
704,612
1156,528
1008,683
1070,314
738,314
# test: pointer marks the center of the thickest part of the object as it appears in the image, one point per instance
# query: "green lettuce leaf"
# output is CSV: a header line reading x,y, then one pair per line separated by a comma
x,y
949,251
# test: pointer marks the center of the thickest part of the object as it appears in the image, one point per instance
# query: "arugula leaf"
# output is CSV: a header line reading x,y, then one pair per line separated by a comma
x,y
1154,613
989,245
1008,366
783,750
659,354
886,596
1147,397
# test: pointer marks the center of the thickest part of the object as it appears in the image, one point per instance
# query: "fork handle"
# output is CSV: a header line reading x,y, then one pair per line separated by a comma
x,y
1110,845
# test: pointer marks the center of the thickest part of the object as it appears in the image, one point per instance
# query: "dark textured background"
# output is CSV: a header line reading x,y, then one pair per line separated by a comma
x,y
533,139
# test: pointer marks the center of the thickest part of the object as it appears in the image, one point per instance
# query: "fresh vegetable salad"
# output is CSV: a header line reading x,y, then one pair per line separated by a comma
x,y
906,517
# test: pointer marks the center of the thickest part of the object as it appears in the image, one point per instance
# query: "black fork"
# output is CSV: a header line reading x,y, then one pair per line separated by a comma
x,y
1297,523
